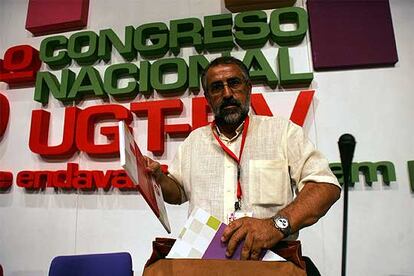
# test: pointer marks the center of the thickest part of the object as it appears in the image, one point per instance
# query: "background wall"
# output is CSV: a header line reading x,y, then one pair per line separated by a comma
x,y
373,104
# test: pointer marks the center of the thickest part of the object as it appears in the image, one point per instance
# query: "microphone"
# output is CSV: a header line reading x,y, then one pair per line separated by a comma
x,y
346,145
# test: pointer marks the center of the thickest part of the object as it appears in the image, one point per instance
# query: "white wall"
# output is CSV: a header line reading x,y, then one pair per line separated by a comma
x,y
373,104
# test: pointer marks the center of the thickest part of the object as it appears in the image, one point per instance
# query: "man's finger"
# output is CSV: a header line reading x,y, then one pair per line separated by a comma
x,y
254,255
151,166
255,251
246,250
235,239
147,161
230,229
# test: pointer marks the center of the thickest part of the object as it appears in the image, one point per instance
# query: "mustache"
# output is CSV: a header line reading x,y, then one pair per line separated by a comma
x,y
230,101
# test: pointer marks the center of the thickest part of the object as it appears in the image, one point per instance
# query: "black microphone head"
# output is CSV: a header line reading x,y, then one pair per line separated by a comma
x,y
346,139
346,145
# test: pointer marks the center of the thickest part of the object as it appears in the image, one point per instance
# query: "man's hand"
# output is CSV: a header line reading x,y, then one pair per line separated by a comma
x,y
170,189
258,234
153,167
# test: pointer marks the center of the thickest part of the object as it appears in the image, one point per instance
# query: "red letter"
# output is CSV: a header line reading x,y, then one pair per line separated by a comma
x,y
63,179
39,134
156,111
260,106
25,179
121,181
299,112
59,179
83,181
301,108
42,179
85,132
101,180
72,171
20,65
6,180
4,114
200,111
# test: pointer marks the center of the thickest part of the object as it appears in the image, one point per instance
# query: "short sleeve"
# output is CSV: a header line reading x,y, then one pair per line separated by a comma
x,y
306,164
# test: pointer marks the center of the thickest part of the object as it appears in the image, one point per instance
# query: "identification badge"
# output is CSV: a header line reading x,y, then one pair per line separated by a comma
x,y
238,214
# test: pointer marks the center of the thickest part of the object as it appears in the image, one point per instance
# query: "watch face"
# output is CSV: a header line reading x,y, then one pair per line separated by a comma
x,y
282,223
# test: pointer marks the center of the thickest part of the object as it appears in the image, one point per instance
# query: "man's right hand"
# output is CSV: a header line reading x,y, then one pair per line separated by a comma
x,y
153,167
170,189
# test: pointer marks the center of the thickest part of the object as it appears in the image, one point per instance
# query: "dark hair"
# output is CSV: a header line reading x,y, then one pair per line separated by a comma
x,y
221,61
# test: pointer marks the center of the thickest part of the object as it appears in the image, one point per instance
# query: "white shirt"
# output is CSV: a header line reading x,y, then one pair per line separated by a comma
x,y
277,158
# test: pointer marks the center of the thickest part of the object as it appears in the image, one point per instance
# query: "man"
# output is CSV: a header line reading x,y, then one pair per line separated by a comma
x,y
247,163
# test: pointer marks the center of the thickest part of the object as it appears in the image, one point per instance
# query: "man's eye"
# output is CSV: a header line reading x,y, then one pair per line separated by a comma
x,y
234,82
216,87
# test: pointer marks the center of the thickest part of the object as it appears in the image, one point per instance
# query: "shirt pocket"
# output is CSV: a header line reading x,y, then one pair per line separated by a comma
x,y
269,182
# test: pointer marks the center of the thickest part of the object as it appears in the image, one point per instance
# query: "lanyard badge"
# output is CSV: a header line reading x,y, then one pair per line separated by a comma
x,y
237,205
238,214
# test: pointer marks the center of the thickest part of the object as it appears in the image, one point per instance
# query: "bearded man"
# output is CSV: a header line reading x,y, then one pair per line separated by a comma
x,y
248,164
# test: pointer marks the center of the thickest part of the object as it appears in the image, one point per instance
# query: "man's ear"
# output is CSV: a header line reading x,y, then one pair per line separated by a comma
x,y
207,97
208,101
249,85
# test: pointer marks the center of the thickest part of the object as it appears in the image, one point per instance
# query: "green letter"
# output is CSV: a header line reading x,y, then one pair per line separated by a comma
x,y
336,169
162,66
252,30
262,72
47,82
88,81
186,32
285,75
108,38
79,40
288,15
157,33
411,174
144,77
49,46
117,71
370,169
218,32
197,65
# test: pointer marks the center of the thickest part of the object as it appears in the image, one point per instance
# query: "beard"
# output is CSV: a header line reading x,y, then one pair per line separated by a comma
x,y
231,116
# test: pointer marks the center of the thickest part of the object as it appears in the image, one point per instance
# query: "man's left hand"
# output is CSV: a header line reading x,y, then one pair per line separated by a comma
x,y
258,234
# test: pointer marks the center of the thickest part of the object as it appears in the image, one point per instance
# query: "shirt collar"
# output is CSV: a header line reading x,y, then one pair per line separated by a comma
x,y
238,130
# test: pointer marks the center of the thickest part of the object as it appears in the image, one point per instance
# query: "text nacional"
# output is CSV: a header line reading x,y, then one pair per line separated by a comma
x,y
217,34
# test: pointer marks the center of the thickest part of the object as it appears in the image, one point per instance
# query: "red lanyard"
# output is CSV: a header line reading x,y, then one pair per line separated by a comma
x,y
234,157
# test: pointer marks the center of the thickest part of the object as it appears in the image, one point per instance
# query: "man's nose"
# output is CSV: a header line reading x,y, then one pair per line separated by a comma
x,y
227,91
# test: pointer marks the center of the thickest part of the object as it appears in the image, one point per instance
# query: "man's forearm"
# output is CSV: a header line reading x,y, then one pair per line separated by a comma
x,y
170,189
312,202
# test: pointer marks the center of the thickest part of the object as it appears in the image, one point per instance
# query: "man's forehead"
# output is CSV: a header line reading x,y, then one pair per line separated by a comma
x,y
223,71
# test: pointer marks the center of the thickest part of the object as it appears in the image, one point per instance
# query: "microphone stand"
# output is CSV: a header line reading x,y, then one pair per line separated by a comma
x,y
344,226
346,145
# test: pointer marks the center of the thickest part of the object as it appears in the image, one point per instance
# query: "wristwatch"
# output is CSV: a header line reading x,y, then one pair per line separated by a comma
x,y
282,224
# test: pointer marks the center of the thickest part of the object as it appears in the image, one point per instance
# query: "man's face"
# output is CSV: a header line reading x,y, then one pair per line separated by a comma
x,y
228,93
